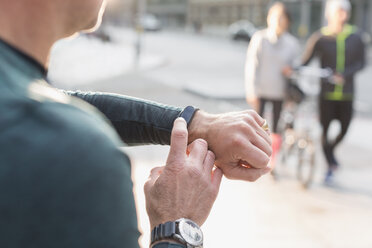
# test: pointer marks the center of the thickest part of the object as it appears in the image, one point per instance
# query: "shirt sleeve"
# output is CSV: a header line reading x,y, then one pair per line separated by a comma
x,y
296,58
137,121
360,59
311,48
252,65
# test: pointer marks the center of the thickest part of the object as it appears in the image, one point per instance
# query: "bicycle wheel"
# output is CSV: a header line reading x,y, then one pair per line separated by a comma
x,y
285,155
306,162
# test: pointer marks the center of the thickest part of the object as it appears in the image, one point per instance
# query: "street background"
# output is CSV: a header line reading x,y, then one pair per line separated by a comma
x,y
180,67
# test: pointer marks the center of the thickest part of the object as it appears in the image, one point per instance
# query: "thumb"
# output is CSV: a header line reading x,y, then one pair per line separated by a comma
x,y
178,144
217,178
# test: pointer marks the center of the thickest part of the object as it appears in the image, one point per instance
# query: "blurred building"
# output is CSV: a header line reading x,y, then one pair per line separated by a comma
x,y
172,13
307,15
169,12
213,13
121,11
362,14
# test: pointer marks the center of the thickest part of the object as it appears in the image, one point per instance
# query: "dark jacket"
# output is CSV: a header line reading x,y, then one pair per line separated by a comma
x,y
344,54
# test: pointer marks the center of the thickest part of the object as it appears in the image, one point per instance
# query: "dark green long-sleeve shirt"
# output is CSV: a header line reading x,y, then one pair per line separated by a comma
x,y
63,180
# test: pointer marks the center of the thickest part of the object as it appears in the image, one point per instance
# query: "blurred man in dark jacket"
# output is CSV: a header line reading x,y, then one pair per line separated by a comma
x,y
339,47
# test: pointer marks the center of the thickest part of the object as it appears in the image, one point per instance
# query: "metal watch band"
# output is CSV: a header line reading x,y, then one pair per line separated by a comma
x,y
175,230
188,114
163,231
168,245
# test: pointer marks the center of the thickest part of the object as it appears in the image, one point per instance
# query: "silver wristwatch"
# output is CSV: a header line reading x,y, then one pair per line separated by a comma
x,y
183,230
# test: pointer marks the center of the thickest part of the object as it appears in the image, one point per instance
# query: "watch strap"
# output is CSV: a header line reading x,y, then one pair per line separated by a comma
x,y
168,245
188,114
163,231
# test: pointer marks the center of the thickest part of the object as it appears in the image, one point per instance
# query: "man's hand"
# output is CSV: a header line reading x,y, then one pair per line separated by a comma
x,y
241,146
187,186
338,79
287,71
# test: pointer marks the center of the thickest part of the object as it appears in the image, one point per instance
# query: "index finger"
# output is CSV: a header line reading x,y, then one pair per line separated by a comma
x,y
178,144
260,121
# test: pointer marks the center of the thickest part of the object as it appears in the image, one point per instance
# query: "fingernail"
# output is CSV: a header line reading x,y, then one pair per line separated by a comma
x,y
181,118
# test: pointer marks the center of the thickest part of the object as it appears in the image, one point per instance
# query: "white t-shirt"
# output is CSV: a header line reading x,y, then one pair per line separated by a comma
x,y
267,55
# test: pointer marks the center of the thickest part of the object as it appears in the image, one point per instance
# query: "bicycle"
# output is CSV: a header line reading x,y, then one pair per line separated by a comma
x,y
299,119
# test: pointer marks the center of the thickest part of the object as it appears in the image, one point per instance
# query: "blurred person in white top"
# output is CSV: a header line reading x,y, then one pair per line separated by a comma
x,y
270,56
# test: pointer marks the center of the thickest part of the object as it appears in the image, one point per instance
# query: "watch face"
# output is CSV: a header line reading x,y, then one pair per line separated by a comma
x,y
190,232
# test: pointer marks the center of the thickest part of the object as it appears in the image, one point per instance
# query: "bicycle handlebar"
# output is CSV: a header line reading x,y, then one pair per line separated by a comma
x,y
322,73
314,71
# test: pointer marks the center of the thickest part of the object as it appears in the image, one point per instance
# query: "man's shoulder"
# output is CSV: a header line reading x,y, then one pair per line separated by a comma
x,y
74,121
60,168
257,38
358,35
316,38
56,126
260,34
317,35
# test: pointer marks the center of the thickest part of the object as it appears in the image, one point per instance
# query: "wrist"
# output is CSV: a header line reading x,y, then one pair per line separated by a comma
x,y
188,114
180,233
198,128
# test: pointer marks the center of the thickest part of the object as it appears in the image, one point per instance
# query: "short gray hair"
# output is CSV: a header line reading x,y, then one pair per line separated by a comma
x,y
333,5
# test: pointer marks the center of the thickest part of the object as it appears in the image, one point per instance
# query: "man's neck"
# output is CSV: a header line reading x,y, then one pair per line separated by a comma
x,y
34,40
336,28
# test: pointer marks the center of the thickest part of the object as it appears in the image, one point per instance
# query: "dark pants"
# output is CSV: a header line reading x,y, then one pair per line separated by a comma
x,y
329,111
277,109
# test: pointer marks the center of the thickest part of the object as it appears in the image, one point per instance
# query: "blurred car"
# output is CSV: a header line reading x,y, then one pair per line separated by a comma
x,y
150,23
242,30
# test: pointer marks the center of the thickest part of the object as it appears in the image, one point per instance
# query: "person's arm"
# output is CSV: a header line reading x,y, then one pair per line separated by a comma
x,y
360,62
296,55
137,121
294,59
251,68
311,48
243,154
